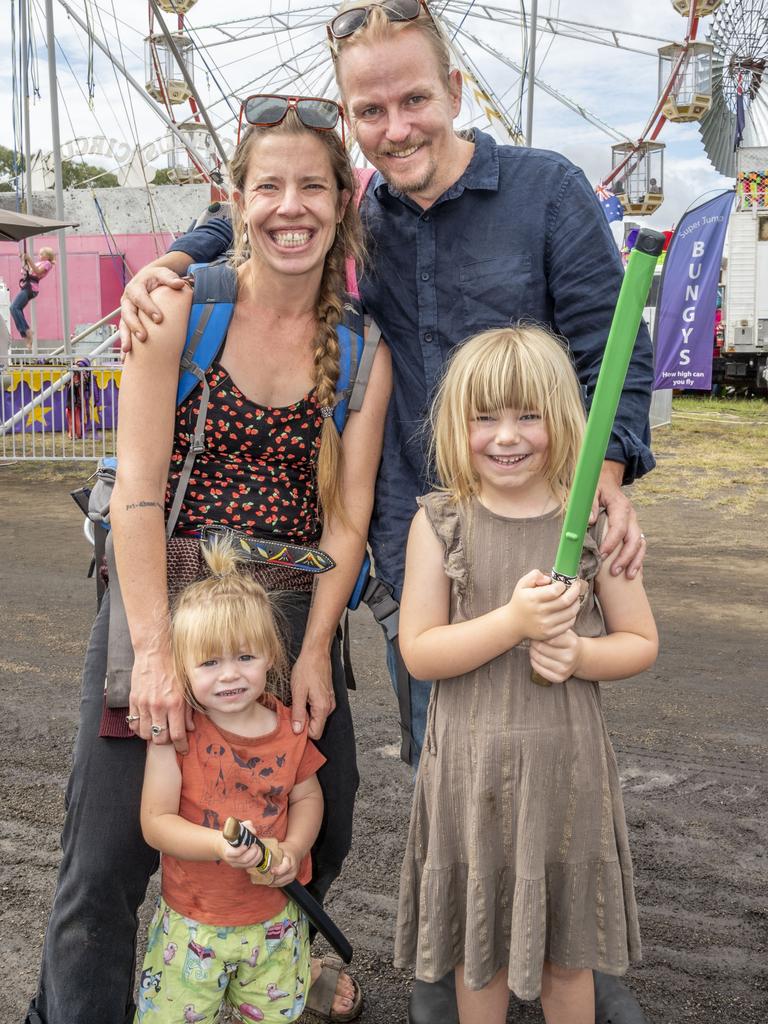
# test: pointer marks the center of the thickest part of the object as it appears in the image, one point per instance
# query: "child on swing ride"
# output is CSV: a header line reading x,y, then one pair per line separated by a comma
x,y
517,872
215,935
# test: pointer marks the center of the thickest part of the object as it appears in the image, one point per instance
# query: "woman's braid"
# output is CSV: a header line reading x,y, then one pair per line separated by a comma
x,y
327,356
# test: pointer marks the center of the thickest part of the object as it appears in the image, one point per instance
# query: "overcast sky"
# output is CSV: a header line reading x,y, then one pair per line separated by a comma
x,y
618,86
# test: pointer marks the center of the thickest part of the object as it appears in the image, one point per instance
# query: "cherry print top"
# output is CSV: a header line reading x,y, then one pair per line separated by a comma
x,y
258,471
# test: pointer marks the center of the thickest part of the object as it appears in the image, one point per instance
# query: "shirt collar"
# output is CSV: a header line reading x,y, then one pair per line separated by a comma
x,y
482,173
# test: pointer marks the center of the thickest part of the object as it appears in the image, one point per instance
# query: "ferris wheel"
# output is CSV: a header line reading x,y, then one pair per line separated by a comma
x,y
286,51
739,38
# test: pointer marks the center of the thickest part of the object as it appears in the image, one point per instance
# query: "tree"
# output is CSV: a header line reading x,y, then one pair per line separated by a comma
x,y
75,173
162,177
79,175
6,167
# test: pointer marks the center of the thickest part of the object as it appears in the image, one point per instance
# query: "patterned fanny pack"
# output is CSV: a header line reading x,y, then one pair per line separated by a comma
x,y
271,551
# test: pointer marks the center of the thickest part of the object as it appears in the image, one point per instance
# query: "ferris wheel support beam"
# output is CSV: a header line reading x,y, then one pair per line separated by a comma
x,y
531,74
188,79
59,189
142,92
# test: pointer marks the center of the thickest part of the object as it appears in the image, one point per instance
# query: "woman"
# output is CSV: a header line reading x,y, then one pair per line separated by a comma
x,y
32,275
274,464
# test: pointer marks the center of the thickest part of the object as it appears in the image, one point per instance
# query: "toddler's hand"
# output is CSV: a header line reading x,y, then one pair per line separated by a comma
x,y
247,857
288,867
542,608
556,659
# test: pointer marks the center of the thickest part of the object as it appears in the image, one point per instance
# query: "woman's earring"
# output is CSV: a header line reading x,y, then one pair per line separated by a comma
x,y
245,238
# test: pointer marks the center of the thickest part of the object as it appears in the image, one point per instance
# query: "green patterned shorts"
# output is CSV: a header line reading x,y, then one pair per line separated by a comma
x,y
192,969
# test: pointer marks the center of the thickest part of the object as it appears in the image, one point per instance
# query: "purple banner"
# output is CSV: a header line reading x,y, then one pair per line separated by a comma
x,y
685,314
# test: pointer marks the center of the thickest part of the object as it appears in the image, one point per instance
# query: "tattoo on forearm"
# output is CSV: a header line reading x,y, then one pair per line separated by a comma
x,y
144,504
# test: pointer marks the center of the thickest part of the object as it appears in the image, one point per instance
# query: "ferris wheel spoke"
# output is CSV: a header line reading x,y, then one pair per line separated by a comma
x,y
602,35
577,108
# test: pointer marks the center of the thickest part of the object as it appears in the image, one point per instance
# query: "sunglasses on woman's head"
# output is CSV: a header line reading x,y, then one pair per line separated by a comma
x,y
266,111
348,22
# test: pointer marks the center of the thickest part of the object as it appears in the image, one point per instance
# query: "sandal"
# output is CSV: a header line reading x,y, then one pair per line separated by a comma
x,y
323,991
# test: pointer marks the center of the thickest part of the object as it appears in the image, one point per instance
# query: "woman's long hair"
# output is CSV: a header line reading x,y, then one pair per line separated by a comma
x,y
332,295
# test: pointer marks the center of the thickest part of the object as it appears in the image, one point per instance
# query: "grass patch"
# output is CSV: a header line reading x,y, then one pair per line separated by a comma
x,y
713,452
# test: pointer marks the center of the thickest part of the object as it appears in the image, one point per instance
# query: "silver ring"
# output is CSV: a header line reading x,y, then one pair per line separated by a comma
x,y
642,536
132,718
157,729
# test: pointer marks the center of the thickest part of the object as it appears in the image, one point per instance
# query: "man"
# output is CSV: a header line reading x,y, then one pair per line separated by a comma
x,y
463,235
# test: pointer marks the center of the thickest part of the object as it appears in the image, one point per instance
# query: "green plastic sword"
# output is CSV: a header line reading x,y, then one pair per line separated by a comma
x,y
610,381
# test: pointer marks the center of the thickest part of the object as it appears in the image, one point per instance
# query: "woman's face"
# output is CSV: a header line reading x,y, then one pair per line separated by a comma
x,y
290,202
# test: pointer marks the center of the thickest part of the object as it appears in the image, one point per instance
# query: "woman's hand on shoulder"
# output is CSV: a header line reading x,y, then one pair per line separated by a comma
x,y
312,691
157,699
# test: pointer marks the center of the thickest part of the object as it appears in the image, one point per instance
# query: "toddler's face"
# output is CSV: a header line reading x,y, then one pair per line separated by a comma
x,y
231,681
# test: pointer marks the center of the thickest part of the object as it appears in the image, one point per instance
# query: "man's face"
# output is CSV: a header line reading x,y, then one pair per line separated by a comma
x,y
401,112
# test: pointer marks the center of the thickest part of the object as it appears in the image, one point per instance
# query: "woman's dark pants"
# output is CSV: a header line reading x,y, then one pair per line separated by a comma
x,y
88,964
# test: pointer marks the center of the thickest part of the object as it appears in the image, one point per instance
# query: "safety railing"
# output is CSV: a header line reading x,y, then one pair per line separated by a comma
x,y
63,407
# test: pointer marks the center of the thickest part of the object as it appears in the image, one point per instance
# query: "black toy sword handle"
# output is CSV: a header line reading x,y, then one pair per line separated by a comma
x,y
236,834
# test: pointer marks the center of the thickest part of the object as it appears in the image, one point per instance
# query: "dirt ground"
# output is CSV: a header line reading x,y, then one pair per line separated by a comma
x,y
690,736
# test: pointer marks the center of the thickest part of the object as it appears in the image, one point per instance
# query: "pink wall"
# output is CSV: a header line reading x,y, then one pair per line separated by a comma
x,y
95,283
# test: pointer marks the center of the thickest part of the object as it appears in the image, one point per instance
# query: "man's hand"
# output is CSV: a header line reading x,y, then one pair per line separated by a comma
x,y
556,659
623,527
541,609
136,297
312,685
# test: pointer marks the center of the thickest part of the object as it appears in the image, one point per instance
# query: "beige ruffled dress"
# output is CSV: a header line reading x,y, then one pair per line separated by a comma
x,y
517,851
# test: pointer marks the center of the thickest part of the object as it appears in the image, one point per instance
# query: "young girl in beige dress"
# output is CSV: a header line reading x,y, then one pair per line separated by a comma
x,y
517,872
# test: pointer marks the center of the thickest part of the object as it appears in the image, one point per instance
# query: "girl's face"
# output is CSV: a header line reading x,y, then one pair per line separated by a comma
x,y
290,202
509,451
230,682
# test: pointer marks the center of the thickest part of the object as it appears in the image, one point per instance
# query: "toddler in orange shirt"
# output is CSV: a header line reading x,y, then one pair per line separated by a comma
x,y
216,936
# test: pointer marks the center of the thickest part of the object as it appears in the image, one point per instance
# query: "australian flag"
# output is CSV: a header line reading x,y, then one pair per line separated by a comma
x,y
610,203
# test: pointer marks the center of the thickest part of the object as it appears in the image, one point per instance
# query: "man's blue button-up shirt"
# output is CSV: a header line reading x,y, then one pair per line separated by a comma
x,y
520,236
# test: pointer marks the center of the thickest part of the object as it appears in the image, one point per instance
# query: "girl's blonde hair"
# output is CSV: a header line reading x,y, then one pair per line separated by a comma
x,y
348,244
378,28
222,613
47,253
523,368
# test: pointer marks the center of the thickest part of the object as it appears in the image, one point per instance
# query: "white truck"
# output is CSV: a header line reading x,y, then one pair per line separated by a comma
x,y
742,365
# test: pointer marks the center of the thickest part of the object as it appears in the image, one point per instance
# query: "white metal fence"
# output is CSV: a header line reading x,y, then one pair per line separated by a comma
x,y
62,407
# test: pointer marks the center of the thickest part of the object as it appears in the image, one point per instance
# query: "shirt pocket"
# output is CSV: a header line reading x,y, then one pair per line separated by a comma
x,y
493,291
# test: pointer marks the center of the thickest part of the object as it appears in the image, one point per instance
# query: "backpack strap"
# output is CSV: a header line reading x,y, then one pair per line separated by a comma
x,y
371,339
213,303
349,331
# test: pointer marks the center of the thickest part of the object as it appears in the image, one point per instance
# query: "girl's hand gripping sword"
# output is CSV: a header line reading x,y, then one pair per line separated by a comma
x,y
236,834
610,381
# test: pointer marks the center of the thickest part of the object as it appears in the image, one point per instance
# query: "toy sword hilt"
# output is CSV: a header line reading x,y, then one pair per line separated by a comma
x,y
236,834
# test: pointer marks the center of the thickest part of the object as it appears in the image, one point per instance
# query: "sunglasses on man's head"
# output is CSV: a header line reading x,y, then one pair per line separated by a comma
x,y
266,111
348,22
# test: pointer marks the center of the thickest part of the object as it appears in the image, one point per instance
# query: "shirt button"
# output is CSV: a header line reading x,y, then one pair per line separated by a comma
x,y
428,337
426,218
425,276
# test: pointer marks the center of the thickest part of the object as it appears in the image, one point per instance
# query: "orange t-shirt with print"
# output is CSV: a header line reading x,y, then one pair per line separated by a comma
x,y
222,775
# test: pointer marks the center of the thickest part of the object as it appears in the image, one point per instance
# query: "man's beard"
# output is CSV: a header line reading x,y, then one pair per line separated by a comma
x,y
412,185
